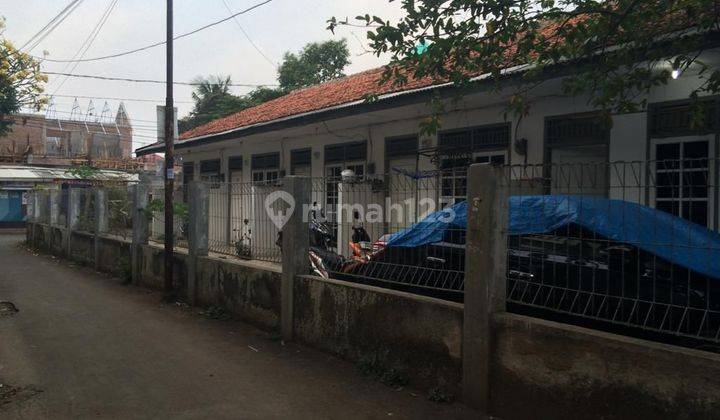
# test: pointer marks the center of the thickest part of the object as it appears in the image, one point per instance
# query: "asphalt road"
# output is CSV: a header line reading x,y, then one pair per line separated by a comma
x,y
83,346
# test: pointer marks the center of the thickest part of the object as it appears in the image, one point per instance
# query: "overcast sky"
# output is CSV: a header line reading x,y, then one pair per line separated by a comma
x,y
277,27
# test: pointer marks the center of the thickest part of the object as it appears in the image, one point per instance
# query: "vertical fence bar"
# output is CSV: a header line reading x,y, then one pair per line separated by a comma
x,y
29,220
485,270
198,234
45,207
36,207
73,214
101,221
228,218
141,231
55,197
295,244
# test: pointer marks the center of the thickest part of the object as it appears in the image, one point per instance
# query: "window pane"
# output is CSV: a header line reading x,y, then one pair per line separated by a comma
x,y
695,184
668,185
695,154
460,190
447,187
667,156
696,211
671,207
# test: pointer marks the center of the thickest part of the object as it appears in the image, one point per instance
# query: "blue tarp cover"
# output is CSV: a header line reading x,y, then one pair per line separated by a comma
x,y
674,239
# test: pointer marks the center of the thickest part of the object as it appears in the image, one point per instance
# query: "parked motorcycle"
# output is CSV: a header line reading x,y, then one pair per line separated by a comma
x,y
243,243
323,240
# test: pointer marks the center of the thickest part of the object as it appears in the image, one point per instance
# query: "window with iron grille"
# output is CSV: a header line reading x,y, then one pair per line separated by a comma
x,y
265,168
575,130
461,148
683,119
682,185
402,146
235,163
344,152
300,161
265,176
496,136
266,161
454,174
188,171
210,170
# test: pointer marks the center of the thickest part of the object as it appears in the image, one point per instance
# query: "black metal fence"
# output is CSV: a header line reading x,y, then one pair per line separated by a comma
x,y
354,219
86,210
119,208
624,245
64,199
630,244
240,223
155,212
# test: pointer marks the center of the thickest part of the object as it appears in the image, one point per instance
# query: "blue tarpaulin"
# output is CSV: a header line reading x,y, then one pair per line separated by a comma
x,y
674,239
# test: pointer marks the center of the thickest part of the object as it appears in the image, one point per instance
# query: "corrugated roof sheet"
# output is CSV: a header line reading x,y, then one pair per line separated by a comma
x,y
36,173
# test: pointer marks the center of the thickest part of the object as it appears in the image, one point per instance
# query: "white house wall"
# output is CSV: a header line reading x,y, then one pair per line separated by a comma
x,y
628,138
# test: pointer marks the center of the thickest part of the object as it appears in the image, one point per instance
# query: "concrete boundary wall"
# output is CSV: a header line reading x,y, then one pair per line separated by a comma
x,y
399,332
538,368
412,337
544,369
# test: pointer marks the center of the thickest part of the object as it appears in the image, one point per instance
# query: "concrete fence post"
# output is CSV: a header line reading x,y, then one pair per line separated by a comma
x,y
30,218
101,221
140,227
30,208
485,277
228,219
55,198
198,226
36,207
295,244
43,215
73,215
42,206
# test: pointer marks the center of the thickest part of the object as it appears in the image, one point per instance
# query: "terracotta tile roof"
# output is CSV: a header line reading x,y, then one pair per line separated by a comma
x,y
350,89
335,92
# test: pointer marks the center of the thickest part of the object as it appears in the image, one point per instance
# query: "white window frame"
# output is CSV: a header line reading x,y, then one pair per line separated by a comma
x,y
332,181
459,175
265,176
712,168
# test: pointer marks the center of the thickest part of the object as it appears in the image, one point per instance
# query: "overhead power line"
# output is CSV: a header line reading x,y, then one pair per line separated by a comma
x,y
88,42
36,39
257,48
109,98
123,79
157,44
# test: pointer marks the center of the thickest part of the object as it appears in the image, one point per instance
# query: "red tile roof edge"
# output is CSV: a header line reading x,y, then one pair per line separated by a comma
x,y
326,95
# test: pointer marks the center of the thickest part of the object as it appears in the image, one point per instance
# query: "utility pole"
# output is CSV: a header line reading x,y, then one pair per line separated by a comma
x,y
169,157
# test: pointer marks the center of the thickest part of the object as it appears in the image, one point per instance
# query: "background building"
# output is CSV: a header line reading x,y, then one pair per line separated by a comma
x,y
99,140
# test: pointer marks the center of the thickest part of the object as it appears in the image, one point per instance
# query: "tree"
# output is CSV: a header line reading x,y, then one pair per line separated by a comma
x,y
21,83
612,51
212,100
316,63
264,94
